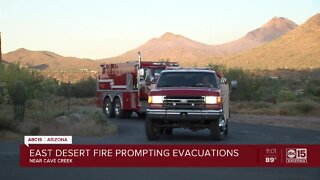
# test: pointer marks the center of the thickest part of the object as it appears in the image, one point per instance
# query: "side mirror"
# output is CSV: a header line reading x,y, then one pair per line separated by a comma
x,y
141,72
152,79
223,80
143,83
234,84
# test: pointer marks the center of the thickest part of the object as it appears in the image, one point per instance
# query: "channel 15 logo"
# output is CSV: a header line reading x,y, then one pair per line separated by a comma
x,y
296,155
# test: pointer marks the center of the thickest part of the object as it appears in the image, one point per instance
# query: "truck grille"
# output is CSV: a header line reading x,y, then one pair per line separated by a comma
x,y
176,102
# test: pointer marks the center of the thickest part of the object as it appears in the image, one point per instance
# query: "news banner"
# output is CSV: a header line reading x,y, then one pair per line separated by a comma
x,y
58,151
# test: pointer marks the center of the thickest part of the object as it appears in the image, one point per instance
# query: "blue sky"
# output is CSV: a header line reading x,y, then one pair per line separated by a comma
x,y
104,28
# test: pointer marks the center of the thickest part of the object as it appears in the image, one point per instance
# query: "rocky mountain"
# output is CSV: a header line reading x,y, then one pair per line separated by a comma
x,y
169,46
270,31
298,49
48,60
276,44
189,52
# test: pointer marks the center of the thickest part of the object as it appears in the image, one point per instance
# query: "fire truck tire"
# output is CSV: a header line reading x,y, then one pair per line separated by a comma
x,y
142,115
218,129
168,131
118,111
108,108
152,131
226,133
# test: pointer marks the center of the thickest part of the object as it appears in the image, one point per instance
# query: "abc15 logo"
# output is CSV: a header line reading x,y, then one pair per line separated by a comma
x,y
297,153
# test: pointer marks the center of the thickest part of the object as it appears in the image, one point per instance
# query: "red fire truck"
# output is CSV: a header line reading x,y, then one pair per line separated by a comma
x,y
123,88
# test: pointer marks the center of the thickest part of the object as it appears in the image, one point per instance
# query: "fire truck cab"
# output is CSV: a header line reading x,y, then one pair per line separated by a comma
x,y
123,88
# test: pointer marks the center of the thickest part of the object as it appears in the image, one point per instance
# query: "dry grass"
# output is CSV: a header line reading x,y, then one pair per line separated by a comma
x,y
305,108
303,115
6,135
301,122
41,115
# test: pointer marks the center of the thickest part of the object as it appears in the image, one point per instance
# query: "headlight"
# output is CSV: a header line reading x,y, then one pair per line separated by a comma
x,y
155,99
213,99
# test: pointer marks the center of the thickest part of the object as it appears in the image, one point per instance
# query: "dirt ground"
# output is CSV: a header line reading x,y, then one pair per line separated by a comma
x,y
312,123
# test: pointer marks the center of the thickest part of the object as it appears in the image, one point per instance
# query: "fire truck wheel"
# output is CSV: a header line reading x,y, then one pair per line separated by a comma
x,y
226,133
142,115
118,111
108,108
168,131
152,131
218,129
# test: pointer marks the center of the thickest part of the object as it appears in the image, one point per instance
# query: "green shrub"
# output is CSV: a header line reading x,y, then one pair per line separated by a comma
x,y
7,123
19,99
260,105
36,85
313,87
253,88
4,95
39,87
286,96
83,88
296,108
304,107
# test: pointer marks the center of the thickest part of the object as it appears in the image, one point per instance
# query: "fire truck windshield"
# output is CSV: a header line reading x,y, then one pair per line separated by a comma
x,y
151,73
188,79
157,72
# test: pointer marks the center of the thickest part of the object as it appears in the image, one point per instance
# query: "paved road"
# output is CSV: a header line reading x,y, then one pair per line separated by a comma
x,y
131,131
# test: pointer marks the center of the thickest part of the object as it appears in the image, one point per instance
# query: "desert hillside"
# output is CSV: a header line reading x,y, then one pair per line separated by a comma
x,y
279,43
169,46
270,31
189,52
45,60
298,49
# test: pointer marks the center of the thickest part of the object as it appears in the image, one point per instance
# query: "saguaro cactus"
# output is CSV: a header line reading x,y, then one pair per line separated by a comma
x,y
19,99
0,50
4,95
